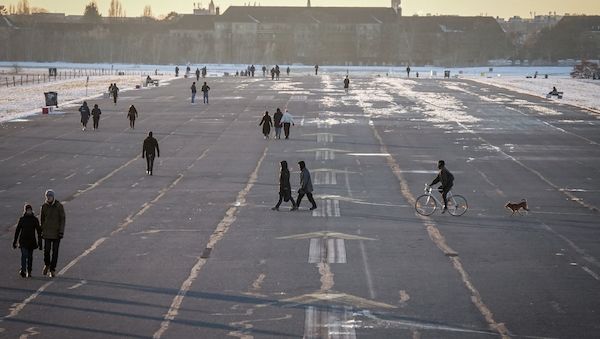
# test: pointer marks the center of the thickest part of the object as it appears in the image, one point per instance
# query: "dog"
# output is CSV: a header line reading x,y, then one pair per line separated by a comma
x,y
517,207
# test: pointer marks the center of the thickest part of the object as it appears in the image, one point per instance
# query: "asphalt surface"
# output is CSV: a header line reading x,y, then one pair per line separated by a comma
x,y
196,252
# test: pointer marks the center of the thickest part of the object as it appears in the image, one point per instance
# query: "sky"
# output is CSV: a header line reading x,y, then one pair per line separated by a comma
x,y
501,8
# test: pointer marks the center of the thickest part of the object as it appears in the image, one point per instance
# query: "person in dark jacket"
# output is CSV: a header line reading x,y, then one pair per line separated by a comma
x,y
306,187
266,124
193,89
85,115
115,93
197,74
346,84
25,236
96,116
288,71
132,115
149,151
447,179
277,123
316,69
205,89
52,217
285,189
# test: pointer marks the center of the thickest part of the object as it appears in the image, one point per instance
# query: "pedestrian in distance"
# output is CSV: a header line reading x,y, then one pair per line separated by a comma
x,y
264,69
347,84
287,121
52,218
150,150
96,112
84,110
316,69
306,187
408,71
193,88
205,90
277,123
204,72
273,73
176,71
110,88
285,189
277,72
115,93
197,74
288,71
446,179
266,124
132,114
25,238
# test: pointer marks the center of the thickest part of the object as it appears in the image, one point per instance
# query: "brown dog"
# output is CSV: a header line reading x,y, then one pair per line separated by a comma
x,y
517,207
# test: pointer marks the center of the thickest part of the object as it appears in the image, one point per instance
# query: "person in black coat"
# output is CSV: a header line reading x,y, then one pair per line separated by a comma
x,y
285,189
25,235
446,179
149,151
277,123
266,124
96,116
85,115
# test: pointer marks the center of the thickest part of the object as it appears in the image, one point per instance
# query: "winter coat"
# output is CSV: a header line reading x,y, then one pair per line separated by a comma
x,y
132,114
305,181
115,91
346,83
205,89
26,231
266,123
287,118
85,113
150,145
96,113
193,88
277,119
445,177
285,188
52,218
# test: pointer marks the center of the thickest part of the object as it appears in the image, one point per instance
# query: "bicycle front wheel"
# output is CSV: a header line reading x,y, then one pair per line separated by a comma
x,y
425,205
457,205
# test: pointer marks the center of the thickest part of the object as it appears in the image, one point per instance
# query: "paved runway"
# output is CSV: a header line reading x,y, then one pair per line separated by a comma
x,y
196,252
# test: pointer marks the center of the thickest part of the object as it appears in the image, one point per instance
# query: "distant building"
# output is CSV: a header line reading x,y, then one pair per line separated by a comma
x,y
211,10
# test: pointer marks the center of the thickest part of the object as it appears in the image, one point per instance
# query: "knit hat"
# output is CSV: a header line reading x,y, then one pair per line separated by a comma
x,y
27,207
50,193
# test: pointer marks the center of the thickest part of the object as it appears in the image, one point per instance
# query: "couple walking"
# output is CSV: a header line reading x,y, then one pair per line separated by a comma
x,y
285,189
280,120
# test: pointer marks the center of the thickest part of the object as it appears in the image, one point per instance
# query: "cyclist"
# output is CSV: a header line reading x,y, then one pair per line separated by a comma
x,y
447,180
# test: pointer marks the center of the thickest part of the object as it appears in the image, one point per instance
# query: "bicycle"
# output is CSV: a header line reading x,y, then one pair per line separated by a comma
x,y
427,203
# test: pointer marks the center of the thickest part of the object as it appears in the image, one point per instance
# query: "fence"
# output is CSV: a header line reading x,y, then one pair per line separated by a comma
x,y
30,79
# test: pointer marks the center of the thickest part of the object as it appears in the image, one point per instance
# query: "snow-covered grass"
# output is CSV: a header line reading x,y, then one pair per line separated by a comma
x,y
577,92
22,101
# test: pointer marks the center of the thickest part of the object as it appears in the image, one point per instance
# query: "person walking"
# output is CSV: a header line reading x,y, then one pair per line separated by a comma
x,y
266,124
150,151
287,70
96,112
408,71
193,88
277,123
285,189
264,69
52,218
176,71
84,110
316,69
132,114
205,89
197,74
115,93
110,88
25,236
287,121
347,84
306,187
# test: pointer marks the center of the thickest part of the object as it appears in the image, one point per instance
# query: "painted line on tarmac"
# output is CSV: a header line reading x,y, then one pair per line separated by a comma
x,y
218,234
438,239
332,251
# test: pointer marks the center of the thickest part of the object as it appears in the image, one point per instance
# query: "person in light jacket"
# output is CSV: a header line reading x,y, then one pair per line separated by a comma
x,y
287,121
306,187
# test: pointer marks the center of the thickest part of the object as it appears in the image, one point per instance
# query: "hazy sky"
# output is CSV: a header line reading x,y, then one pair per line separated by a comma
x,y
502,8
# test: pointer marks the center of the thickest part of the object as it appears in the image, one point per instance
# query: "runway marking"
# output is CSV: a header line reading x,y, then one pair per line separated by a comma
x,y
81,283
325,178
218,234
31,331
332,251
324,155
265,97
330,323
103,179
298,98
324,234
590,259
70,176
438,239
328,209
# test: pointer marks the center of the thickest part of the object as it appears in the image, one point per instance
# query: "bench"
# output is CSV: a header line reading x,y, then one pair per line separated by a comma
x,y
559,95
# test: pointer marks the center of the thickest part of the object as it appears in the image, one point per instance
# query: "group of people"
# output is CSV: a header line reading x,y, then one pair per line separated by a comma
x,y
113,91
279,121
285,188
85,113
205,89
44,233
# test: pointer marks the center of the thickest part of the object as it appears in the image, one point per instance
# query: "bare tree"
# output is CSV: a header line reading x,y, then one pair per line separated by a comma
x,y
91,12
115,9
23,7
147,12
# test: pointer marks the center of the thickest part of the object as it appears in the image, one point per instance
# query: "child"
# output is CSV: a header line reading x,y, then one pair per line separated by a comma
x,y
28,226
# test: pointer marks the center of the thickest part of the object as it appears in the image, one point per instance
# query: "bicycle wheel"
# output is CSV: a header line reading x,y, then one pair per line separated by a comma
x,y
457,205
425,205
